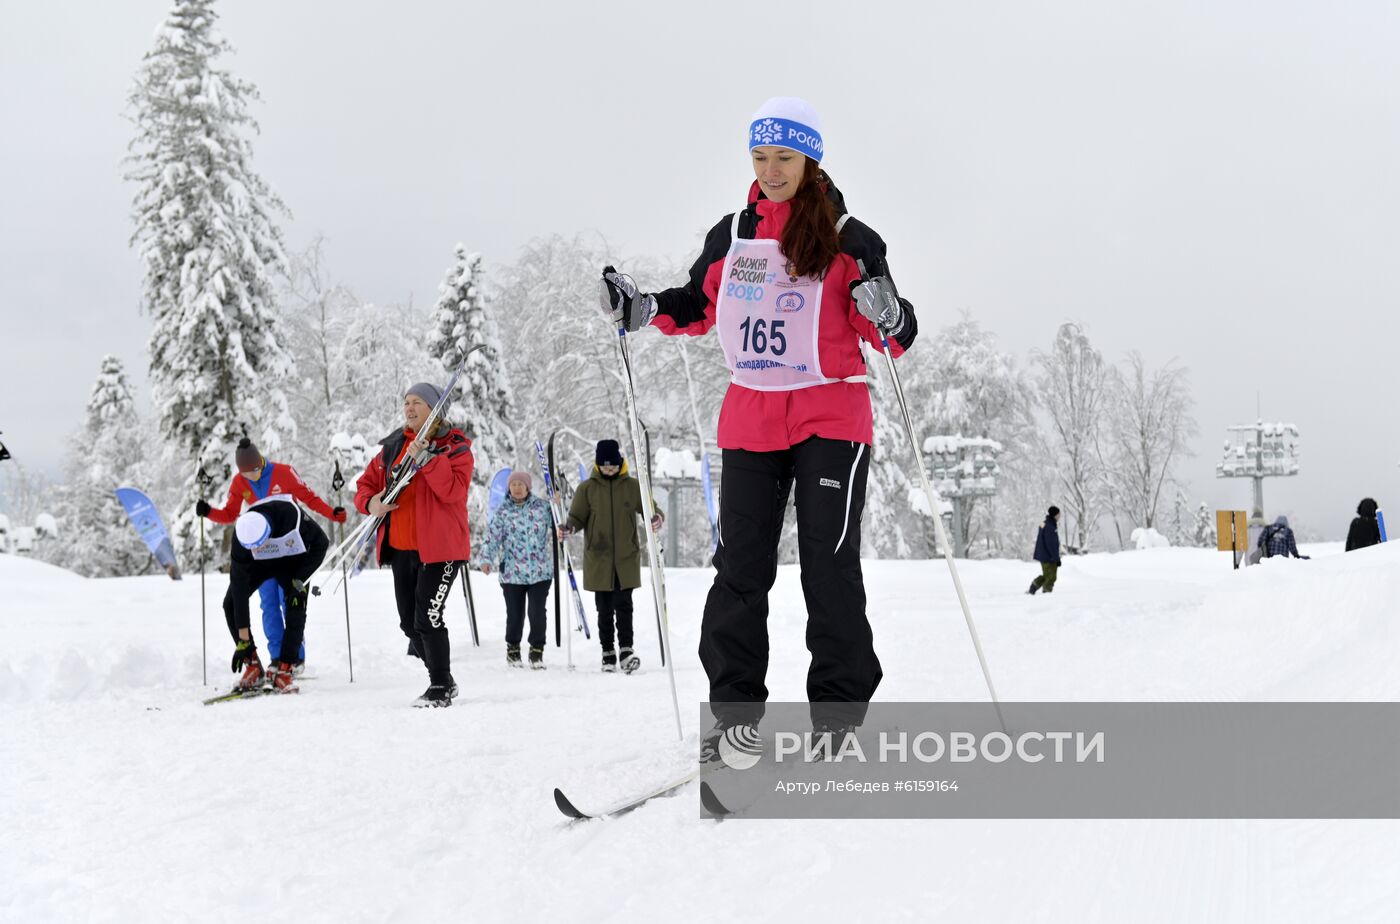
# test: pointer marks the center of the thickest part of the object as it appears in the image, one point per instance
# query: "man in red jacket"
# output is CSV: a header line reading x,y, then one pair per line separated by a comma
x,y
424,536
258,478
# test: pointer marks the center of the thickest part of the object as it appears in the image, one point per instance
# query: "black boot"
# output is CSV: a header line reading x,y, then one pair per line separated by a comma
x,y
513,656
628,661
436,696
536,658
609,661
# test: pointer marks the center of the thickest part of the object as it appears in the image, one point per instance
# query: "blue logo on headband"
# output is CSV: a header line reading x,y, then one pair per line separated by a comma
x,y
785,133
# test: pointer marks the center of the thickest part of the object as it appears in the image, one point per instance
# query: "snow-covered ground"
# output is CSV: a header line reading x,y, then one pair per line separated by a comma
x,y
122,798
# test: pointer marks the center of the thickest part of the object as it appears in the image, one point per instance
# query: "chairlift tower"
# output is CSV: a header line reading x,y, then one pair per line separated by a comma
x,y
1262,450
960,468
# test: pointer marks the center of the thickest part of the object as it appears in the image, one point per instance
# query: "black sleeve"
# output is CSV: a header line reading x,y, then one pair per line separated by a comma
x,y
686,304
317,544
860,241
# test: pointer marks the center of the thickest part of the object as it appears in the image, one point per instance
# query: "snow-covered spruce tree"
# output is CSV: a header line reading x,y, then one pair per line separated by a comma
x,y
482,404
205,233
98,540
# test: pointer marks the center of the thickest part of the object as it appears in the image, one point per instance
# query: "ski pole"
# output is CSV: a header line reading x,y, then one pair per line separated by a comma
x,y
933,509
658,579
471,604
204,481
338,482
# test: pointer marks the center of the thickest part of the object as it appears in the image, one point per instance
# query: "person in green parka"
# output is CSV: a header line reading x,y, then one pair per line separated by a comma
x,y
606,508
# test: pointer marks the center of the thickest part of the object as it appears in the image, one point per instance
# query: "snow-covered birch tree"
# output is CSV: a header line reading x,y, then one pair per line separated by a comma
x,y
1073,387
1150,426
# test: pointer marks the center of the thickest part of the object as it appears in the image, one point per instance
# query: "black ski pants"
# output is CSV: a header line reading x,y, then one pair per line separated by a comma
x,y
246,576
829,478
517,598
421,592
614,607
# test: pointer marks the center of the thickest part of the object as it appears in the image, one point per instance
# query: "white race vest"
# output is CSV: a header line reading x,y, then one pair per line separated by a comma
x,y
280,546
768,319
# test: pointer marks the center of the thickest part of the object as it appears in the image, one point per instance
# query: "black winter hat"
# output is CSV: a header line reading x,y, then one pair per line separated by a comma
x,y
246,457
608,453
1367,507
1053,511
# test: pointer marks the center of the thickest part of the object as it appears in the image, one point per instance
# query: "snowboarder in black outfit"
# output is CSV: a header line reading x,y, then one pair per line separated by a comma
x,y
1364,529
275,541
1047,552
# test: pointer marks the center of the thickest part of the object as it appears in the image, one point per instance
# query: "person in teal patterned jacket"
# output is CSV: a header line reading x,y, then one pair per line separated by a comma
x,y
518,548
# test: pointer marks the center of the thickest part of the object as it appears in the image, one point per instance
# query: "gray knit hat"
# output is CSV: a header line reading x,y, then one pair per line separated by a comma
x,y
429,392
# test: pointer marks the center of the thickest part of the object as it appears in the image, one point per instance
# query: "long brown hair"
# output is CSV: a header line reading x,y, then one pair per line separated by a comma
x,y
809,239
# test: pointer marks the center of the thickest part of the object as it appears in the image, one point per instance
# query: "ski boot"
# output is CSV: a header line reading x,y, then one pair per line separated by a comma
x,y
536,658
436,696
513,656
281,679
628,661
744,747
1035,585
609,661
252,676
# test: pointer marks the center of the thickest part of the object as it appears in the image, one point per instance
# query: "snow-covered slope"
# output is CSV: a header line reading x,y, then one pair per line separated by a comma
x,y
122,798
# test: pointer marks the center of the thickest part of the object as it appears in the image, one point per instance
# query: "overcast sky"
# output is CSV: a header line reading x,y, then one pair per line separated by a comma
x,y
1214,182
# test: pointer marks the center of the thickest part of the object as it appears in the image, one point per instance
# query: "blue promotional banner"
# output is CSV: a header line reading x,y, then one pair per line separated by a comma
x,y
499,486
707,485
149,527
1380,525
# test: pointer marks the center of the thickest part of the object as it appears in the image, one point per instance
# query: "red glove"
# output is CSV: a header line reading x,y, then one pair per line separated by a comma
x,y
338,514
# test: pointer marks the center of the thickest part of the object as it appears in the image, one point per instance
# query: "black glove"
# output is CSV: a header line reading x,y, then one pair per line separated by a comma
x,y
623,304
877,300
244,653
201,508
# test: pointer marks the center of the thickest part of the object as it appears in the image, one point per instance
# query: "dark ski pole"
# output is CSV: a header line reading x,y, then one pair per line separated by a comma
x,y
204,480
471,603
558,598
338,482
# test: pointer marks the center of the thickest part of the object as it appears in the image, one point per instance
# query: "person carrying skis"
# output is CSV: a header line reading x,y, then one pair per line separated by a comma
x,y
606,508
1276,540
518,546
1047,552
275,542
424,537
781,281
1365,529
257,479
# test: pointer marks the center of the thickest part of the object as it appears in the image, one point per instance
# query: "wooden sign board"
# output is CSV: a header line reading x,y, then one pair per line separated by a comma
x,y
1227,540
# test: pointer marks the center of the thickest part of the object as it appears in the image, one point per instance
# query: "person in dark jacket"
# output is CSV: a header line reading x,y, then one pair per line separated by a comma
x,y
1364,529
606,508
275,542
424,537
1277,540
794,287
1047,552
257,479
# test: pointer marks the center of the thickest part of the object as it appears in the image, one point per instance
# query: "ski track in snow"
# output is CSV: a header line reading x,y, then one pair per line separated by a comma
x,y
123,798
